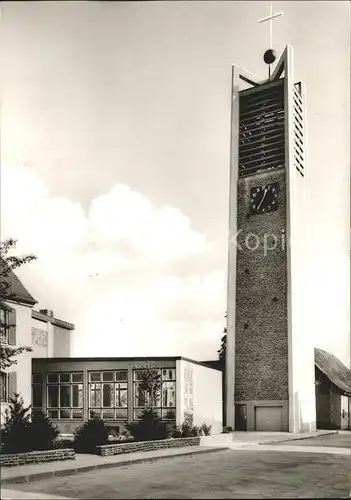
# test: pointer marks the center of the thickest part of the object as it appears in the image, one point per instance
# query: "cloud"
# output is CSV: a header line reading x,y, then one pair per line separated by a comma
x,y
112,269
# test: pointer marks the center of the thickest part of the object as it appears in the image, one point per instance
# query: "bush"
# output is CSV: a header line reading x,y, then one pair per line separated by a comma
x,y
89,435
188,430
177,433
16,432
149,427
206,429
42,431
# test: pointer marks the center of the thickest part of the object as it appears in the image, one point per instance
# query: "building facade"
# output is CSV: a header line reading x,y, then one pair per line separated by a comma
x,y
26,327
74,390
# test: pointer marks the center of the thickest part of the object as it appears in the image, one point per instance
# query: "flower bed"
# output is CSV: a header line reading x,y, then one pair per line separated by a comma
x,y
33,457
119,448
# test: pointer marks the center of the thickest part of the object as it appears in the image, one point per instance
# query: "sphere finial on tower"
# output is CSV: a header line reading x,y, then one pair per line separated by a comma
x,y
269,56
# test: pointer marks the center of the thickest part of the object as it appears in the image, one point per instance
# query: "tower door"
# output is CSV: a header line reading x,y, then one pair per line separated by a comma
x,y
269,418
240,418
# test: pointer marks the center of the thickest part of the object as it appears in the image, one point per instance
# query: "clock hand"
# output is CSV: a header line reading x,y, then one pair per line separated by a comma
x,y
263,197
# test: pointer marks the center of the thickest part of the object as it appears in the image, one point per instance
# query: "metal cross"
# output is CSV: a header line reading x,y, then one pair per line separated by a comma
x,y
269,18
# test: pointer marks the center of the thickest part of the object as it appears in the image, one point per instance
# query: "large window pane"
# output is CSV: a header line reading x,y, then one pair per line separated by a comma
x,y
77,395
95,395
107,395
168,394
3,387
140,396
121,395
65,396
53,396
37,396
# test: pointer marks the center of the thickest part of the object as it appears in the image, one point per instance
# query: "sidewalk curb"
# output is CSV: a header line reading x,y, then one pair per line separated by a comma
x,y
107,465
300,438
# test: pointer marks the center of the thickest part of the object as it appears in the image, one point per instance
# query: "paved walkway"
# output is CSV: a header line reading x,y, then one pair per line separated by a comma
x,y
24,495
84,463
293,448
238,439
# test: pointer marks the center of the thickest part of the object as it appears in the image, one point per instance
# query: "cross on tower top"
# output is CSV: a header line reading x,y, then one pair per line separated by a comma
x,y
269,18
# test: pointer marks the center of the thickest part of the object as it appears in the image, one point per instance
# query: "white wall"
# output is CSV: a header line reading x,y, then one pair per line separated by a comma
x,y
42,339
62,340
23,368
199,391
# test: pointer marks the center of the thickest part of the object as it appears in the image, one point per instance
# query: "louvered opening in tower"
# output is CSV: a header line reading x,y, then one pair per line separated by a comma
x,y
261,129
299,145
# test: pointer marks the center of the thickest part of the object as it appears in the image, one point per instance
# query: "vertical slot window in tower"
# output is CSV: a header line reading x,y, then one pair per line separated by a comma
x,y
261,129
299,153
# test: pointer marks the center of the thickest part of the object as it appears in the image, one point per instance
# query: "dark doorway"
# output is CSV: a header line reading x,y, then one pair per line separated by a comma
x,y
240,418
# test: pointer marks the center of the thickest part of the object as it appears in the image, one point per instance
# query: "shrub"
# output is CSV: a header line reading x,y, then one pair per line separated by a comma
x,y
89,435
206,429
149,427
177,433
42,431
189,418
16,431
188,430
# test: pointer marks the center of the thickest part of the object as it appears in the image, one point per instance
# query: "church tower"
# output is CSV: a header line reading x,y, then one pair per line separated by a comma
x,y
270,382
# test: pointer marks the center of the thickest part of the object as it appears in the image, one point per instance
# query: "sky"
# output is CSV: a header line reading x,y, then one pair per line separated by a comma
x,y
115,127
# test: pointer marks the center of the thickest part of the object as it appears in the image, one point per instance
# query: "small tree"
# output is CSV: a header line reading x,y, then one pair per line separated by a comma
x,y
222,351
149,427
16,431
222,354
151,382
8,263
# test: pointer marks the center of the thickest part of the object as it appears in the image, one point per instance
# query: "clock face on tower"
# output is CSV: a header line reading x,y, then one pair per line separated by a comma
x,y
264,199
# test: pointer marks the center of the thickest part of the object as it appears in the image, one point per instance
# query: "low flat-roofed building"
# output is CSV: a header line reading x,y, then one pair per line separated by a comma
x,y
73,390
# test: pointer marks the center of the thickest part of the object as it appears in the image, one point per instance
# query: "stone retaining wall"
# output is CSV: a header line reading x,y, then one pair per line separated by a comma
x,y
34,457
117,449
